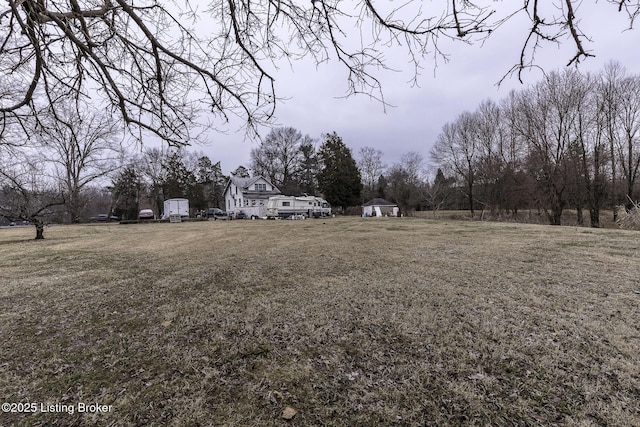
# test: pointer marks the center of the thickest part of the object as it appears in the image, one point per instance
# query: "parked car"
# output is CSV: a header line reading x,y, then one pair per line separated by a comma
x,y
146,214
104,218
241,215
216,213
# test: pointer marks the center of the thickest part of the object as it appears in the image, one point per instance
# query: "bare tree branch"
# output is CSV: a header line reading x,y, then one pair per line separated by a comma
x,y
174,68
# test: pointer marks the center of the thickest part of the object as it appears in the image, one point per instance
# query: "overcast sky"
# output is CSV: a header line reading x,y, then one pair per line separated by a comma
x,y
314,105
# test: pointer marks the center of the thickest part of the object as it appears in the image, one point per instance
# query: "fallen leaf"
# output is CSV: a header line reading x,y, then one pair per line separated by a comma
x,y
477,376
289,412
165,323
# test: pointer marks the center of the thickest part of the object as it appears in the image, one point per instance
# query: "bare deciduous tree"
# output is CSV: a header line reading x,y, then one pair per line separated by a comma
x,y
491,166
590,148
628,141
457,149
279,158
406,182
26,193
83,146
160,65
549,112
608,112
152,170
371,167
437,193
561,142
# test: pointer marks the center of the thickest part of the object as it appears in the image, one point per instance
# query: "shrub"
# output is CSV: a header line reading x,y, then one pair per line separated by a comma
x,y
630,220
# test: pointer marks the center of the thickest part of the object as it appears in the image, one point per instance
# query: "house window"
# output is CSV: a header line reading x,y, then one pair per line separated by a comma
x,y
261,187
286,203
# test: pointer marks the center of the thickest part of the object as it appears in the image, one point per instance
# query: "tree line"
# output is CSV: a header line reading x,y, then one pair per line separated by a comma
x,y
284,157
157,175
149,68
70,173
568,141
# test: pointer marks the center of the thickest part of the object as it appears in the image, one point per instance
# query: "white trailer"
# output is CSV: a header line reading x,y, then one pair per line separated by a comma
x,y
288,206
176,207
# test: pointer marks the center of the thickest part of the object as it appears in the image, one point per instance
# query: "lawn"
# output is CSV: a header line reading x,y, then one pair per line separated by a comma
x,y
336,322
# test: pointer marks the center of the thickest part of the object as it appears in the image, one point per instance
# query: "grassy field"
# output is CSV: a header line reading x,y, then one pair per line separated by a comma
x,y
337,322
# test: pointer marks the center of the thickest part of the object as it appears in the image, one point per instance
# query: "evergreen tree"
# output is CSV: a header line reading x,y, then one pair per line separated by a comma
x,y
181,182
381,187
213,181
339,178
308,167
241,172
371,168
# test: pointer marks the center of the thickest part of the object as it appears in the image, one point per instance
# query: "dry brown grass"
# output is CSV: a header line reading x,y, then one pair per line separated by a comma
x,y
351,322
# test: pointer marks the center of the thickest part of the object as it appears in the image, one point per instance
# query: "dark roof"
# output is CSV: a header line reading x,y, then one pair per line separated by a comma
x,y
379,202
245,183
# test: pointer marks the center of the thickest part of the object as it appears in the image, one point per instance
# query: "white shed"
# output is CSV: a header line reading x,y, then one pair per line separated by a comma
x,y
379,208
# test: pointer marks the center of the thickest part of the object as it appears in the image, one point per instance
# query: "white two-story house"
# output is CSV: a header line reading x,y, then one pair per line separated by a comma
x,y
249,195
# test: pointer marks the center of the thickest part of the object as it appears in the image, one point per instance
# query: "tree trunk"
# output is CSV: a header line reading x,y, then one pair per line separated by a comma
x,y
73,205
470,197
628,204
579,214
614,198
555,216
39,231
595,217
596,198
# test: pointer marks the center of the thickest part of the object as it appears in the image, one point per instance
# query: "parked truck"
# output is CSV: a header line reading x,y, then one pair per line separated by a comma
x,y
176,207
297,206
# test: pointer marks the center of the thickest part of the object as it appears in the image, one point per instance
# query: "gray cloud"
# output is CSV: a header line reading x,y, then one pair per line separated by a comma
x,y
314,107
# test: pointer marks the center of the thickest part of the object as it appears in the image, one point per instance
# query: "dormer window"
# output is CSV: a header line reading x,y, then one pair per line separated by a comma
x,y
261,187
